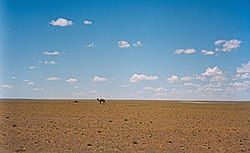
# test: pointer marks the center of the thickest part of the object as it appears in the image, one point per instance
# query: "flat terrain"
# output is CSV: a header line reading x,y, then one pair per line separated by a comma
x,y
123,126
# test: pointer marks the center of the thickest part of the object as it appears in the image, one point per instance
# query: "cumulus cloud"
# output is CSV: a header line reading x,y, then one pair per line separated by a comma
x,y
28,82
240,85
53,79
186,78
13,77
138,78
160,91
173,79
87,22
51,63
31,67
228,45
219,42
157,91
245,68
6,86
99,79
210,88
123,44
71,80
90,45
212,71
188,51
137,44
215,73
243,72
53,53
207,52
61,22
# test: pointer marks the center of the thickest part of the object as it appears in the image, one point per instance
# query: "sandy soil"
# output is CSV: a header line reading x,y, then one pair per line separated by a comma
x,y
123,126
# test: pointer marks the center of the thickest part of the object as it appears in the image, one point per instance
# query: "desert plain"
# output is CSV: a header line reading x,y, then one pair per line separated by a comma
x,y
124,126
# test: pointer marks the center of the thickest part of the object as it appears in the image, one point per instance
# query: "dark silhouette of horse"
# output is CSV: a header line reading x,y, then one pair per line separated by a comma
x,y
101,101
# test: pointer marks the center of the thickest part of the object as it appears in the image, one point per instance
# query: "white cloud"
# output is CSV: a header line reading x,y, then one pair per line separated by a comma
x,y
99,79
137,44
219,42
149,88
90,45
137,78
215,73
61,22
240,85
53,53
173,79
86,22
188,84
53,79
188,51
51,62
243,72
123,44
242,76
157,91
31,67
186,78
6,86
28,82
199,77
212,71
207,52
218,78
13,77
245,68
160,91
71,80
228,45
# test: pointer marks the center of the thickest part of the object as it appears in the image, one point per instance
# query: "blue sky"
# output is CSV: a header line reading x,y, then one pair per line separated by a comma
x,y
125,49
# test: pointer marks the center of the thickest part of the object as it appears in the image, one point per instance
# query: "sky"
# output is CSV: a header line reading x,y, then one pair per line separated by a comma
x,y
115,49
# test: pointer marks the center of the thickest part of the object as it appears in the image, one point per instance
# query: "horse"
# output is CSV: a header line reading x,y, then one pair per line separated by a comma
x,y
101,101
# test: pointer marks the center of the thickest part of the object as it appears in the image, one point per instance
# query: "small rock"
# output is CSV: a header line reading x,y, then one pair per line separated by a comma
x,y
134,142
89,145
170,141
126,120
14,125
7,117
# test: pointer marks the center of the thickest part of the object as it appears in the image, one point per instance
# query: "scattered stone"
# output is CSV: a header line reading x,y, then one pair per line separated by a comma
x,y
134,142
21,149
